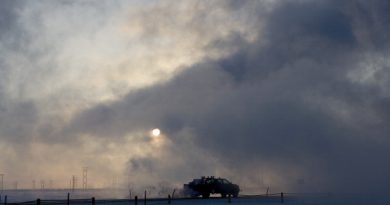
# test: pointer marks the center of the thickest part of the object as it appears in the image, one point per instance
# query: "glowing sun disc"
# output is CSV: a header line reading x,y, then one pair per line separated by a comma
x,y
156,132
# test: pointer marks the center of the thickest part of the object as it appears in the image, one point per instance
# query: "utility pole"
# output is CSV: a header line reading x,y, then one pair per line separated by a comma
x,y
2,183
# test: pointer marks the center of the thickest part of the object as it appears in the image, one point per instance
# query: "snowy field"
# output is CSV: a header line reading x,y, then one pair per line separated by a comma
x,y
115,197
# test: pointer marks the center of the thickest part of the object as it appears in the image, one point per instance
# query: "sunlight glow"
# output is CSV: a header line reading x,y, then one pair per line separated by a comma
x,y
156,132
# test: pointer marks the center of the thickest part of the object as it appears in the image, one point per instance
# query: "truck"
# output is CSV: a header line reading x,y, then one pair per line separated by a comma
x,y
210,185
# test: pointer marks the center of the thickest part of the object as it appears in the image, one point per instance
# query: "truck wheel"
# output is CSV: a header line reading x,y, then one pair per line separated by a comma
x,y
235,195
223,195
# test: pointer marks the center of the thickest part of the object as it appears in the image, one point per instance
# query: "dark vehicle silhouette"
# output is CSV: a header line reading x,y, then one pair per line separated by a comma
x,y
210,185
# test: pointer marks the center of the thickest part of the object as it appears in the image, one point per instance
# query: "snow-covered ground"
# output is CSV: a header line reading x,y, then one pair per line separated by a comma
x,y
61,194
113,197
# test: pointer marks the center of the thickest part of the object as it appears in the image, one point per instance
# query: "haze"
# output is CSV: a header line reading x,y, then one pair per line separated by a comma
x,y
293,95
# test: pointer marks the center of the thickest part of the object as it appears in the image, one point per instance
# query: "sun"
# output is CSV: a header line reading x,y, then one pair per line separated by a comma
x,y
156,132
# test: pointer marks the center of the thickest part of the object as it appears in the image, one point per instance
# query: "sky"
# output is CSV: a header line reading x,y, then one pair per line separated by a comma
x,y
292,95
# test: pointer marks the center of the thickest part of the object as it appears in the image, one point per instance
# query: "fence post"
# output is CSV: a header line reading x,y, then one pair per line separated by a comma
x,y
281,197
229,198
93,200
38,201
169,199
136,200
145,198
5,200
68,199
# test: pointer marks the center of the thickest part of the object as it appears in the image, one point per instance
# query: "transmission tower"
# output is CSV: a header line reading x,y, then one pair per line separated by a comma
x,y
42,184
33,184
85,177
74,182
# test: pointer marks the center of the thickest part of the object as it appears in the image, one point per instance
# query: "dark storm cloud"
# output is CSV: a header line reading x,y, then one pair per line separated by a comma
x,y
18,118
371,20
285,100
17,121
7,16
